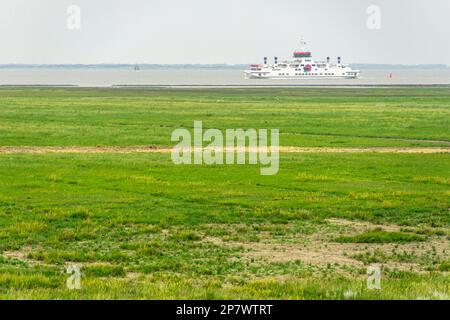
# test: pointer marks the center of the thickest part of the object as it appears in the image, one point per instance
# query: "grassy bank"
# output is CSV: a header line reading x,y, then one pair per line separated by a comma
x,y
305,117
141,227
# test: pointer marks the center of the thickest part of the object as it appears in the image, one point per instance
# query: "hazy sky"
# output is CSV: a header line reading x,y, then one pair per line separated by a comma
x,y
223,31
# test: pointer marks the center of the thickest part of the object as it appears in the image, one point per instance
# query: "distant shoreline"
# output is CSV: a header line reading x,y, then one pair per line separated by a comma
x,y
202,66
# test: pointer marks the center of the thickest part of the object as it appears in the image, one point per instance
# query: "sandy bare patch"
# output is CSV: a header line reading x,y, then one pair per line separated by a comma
x,y
320,249
344,254
38,150
19,255
364,150
161,149
133,275
22,255
312,253
360,226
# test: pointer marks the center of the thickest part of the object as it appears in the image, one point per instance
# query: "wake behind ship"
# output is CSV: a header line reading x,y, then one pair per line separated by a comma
x,y
302,66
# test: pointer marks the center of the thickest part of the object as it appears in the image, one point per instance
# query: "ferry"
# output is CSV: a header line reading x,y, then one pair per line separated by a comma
x,y
302,66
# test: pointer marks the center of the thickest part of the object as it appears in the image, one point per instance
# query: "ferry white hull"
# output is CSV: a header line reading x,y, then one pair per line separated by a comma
x,y
250,75
301,67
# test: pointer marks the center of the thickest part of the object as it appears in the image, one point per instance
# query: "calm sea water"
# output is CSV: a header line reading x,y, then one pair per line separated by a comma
x,y
201,77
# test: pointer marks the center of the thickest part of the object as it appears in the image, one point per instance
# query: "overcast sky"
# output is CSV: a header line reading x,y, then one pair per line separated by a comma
x,y
223,31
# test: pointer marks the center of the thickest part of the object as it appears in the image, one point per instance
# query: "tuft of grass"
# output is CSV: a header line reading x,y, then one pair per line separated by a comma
x,y
427,231
380,236
104,271
371,257
80,213
444,266
185,235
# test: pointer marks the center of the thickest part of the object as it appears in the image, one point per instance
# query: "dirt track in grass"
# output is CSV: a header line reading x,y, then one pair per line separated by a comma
x,y
160,149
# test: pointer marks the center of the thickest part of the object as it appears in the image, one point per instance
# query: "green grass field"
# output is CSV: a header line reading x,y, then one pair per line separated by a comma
x,y
141,227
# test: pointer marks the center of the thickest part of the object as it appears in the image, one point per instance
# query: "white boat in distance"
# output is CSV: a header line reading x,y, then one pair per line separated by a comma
x,y
302,66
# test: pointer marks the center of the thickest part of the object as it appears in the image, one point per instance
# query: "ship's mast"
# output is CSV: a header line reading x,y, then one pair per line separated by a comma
x,y
302,45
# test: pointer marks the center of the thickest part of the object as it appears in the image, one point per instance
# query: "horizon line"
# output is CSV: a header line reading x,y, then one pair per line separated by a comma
x,y
200,64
